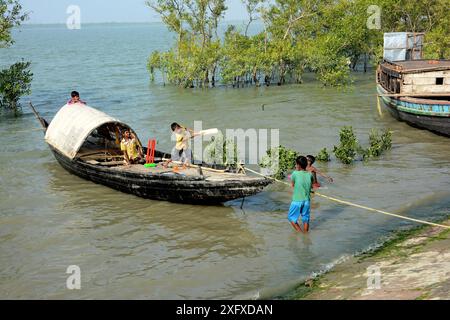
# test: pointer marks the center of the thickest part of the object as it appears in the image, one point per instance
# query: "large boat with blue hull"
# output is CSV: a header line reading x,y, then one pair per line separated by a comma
x,y
416,91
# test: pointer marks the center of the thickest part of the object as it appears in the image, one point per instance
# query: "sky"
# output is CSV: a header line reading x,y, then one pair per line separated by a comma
x,y
99,11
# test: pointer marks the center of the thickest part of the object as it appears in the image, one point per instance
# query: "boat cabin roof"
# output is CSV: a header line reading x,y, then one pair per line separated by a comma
x,y
74,124
410,66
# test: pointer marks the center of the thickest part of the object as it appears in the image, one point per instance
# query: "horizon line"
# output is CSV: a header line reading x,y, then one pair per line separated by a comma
x,y
118,22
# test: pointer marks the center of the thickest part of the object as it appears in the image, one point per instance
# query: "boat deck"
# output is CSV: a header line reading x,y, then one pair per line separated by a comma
x,y
216,175
113,159
419,65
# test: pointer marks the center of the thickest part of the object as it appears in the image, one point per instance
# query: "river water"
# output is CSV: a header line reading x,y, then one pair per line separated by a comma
x,y
132,248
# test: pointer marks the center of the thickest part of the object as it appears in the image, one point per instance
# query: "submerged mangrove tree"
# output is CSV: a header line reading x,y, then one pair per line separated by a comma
x,y
327,37
15,81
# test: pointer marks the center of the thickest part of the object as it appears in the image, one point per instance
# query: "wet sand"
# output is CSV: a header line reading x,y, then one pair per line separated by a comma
x,y
414,264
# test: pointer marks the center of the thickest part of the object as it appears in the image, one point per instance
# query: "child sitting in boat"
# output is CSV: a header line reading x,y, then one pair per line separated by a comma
x,y
132,152
311,159
300,206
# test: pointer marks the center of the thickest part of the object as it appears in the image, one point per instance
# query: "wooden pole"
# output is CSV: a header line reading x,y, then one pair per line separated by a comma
x,y
379,107
43,123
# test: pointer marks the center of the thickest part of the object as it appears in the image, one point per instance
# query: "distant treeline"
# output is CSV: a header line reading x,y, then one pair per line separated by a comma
x,y
327,37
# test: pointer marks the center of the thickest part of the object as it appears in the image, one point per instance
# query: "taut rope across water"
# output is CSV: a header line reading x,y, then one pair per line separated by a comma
x,y
348,203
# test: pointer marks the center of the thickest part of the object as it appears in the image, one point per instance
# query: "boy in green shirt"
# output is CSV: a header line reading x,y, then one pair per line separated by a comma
x,y
300,206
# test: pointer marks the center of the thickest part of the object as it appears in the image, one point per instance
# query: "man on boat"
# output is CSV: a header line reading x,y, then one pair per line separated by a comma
x,y
75,98
132,152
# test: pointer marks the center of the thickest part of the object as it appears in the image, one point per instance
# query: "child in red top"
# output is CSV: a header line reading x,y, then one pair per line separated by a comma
x,y
315,172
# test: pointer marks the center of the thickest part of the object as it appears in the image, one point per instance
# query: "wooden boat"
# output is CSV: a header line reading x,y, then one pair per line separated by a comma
x,y
86,142
417,92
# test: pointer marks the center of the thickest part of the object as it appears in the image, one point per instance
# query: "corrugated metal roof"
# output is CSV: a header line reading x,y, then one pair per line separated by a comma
x,y
72,125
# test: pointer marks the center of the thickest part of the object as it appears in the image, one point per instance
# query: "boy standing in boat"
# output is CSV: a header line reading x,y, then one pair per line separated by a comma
x,y
302,181
182,152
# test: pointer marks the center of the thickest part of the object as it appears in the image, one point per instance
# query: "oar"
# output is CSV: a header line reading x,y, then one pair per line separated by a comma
x,y
42,121
209,132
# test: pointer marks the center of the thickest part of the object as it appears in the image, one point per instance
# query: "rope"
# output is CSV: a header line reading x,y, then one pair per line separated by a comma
x,y
348,203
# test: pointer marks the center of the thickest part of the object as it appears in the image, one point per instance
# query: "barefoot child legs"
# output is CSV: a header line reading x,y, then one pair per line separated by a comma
x,y
304,212
294,214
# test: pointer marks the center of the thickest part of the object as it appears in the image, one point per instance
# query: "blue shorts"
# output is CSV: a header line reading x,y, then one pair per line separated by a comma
x,y
297,209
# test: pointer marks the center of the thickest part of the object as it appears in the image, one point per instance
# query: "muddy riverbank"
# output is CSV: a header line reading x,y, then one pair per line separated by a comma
x,y
413,264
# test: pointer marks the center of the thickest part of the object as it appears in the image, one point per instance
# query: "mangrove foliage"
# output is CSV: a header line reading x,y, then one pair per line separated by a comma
x,y
327,37
281,160
15,81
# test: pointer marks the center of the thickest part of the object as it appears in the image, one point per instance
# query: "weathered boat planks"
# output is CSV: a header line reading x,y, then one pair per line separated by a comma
x,y
417,92
93,154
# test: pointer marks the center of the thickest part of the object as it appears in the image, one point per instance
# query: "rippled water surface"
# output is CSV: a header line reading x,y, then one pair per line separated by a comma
x,y
128,247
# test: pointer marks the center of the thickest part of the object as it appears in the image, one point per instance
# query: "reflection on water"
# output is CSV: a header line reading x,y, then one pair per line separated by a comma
x,y
128,247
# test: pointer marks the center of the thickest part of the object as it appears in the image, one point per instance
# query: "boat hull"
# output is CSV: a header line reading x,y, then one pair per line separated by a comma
x,y
173,188
427,114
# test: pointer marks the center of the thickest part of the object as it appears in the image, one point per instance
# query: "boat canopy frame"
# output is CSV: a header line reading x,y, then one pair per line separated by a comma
x,y
74,124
